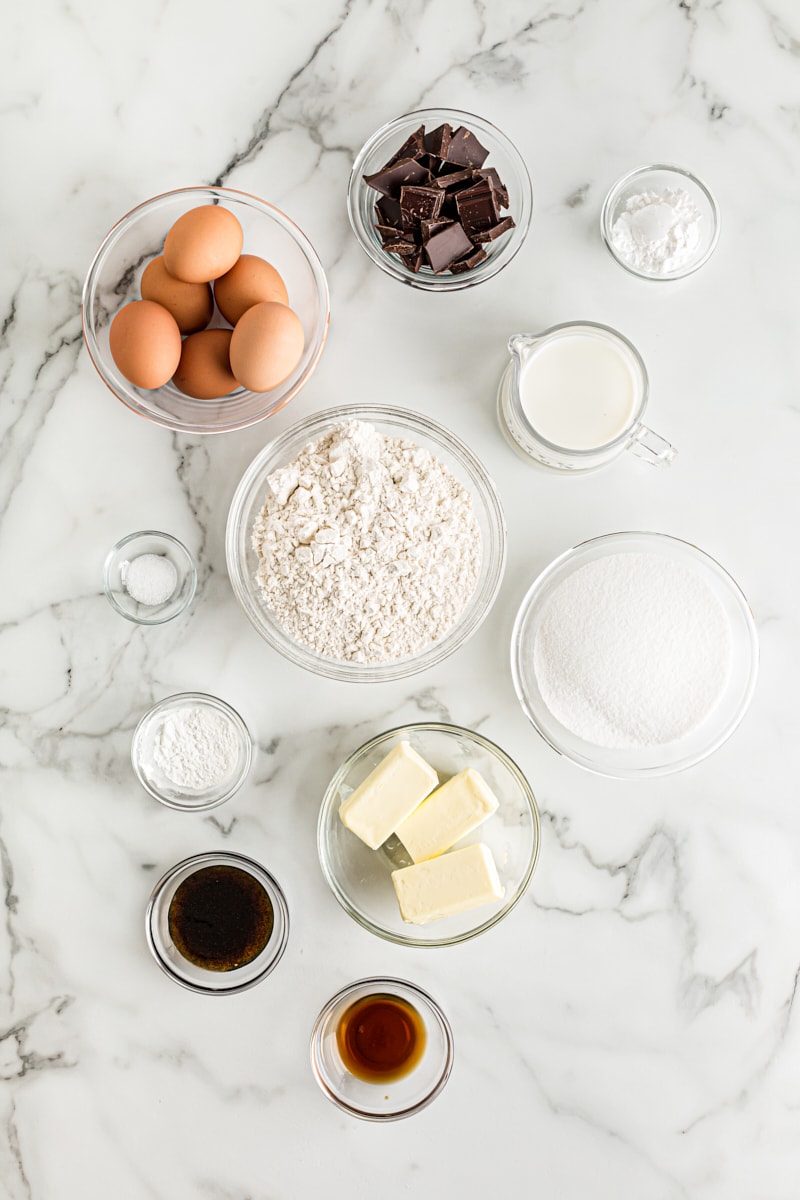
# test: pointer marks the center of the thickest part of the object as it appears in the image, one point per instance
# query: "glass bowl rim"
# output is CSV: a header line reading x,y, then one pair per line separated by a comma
x,y
482,489
223,858
686,548
255,202
388,984
326,807
613,195
151,533
441,283
207,700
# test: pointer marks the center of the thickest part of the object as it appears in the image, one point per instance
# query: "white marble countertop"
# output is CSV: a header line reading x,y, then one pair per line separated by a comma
x,y
630,1031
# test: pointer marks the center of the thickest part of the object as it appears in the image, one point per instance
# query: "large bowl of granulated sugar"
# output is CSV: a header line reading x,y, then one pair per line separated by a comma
x,y
366,543
634,654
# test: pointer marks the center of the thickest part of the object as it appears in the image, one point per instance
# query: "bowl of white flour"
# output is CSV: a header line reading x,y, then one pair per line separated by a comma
x,y
366,543
634,653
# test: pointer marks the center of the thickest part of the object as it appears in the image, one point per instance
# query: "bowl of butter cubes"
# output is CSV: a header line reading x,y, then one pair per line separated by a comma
x,y
428,835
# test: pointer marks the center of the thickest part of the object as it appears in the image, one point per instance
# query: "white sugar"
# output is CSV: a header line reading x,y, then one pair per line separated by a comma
x,y
632,650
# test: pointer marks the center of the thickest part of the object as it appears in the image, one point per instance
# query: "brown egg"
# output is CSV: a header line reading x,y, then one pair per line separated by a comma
x,y
203,244
191,304
145,343
205,367
266,346
249,281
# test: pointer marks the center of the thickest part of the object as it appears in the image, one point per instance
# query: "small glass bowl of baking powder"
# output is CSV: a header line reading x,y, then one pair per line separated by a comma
x,y
191,751
149,577
660,222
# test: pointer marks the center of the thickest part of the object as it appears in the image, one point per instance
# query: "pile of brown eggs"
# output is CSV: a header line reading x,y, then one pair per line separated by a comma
x,y
164,335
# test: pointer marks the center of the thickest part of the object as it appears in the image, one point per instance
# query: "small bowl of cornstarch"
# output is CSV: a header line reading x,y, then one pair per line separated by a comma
x,y
149,577
660,222
191,751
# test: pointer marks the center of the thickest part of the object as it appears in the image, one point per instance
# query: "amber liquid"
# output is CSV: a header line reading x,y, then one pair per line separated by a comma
x,y
381,1038
220,918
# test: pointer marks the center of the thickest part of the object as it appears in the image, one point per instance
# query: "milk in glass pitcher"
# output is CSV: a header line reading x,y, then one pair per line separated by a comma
x,y
574,396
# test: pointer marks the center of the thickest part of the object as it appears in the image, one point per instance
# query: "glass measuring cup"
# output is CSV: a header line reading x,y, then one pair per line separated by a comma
x,y
602,425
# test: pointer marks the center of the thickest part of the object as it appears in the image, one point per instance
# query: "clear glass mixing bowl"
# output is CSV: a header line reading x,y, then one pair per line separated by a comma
x,y
113,280
393,422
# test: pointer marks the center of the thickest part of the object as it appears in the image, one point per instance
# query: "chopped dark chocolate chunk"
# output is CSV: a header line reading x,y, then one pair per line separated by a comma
x,y
446,247
495,182
477,209
439,206
413,262
472,260
494,231
389,211
429,228
422,203
437,141
464,148
412,147
454,179
390,179
401,245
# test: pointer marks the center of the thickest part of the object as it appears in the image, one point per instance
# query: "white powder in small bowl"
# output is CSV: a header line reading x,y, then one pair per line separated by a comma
x,y
632,650
658,232
149,579
196,748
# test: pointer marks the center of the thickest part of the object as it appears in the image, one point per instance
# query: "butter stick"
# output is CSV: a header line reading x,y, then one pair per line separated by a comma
x,y
449,813
452,883
388,795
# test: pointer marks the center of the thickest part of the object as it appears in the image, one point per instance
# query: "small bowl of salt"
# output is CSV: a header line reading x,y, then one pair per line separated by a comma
x,y
149,577
191,751
660,222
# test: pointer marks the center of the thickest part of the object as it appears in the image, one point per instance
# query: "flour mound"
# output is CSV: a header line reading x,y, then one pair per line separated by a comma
x,y
369,548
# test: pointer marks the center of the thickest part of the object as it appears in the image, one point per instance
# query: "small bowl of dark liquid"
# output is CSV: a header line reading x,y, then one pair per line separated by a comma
x,y
382,1049
217,923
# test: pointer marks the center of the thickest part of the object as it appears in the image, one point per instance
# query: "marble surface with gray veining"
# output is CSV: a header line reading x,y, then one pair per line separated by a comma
x,y
631,1031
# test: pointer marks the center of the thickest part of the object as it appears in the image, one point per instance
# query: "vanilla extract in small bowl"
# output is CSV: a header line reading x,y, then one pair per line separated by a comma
x,y
381,1049
217,923
381,1038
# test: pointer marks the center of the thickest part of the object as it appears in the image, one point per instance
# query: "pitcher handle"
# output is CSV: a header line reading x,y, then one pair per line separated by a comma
x,y
650,446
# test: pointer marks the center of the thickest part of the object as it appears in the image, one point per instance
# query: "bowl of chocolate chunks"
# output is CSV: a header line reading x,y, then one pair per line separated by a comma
x,y
440,199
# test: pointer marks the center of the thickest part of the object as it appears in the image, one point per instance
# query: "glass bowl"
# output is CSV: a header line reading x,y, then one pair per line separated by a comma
x,y
186,973
159,785
659,178
634,762
393,422
149,541
113,280
360,878
503,155
382,1101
